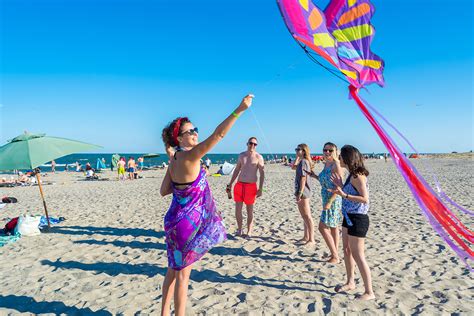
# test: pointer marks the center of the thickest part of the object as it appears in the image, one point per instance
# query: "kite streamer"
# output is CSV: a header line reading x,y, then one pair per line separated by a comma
x,y
342,34
438,185
438,214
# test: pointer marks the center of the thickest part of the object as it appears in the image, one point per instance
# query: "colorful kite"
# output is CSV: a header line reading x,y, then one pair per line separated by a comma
x,y
342,34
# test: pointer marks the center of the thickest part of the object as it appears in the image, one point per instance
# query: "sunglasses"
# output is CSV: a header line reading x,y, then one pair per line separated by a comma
x,y
192,131
252,144
328,150
298,149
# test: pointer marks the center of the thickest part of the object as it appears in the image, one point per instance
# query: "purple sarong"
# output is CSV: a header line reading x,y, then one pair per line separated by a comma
x,y
192,224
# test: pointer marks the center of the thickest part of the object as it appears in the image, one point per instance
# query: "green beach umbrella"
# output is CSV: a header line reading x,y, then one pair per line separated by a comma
x,y
29,151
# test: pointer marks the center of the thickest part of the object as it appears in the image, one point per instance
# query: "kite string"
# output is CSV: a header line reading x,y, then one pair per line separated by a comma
x,y
254,115
267,144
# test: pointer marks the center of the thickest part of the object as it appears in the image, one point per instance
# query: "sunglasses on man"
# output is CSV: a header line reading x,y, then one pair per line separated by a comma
x,y
192,131
252,144
328,150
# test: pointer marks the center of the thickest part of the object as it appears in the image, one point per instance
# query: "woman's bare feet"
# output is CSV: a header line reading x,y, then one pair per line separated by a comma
x,y
335,260
238,233
345,288
302,241
310,243
366,297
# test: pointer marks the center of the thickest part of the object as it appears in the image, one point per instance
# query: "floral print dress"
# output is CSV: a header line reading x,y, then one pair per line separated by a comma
x,y
332,217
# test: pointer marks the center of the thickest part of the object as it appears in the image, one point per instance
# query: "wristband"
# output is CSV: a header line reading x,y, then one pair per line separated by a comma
x,y
347,196
235,115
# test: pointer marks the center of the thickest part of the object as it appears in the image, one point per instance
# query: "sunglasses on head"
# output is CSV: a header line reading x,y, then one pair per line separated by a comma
x,y
328,150
191,131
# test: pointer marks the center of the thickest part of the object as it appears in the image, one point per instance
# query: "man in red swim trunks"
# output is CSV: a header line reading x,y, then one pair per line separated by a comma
x,y
245,190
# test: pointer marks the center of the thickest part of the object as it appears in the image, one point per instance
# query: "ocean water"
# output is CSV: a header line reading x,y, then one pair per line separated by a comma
x,y
149,162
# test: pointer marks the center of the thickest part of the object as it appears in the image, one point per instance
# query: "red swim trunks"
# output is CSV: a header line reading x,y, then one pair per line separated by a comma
x,y
245,192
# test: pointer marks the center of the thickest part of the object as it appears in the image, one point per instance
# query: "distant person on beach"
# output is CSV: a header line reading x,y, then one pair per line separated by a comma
x,y
88,167
79,167
331,217
131,167
53,166
303,190
208,163
192,224
66,167
121,168
23,178
140,163
355,206
245,190
90,174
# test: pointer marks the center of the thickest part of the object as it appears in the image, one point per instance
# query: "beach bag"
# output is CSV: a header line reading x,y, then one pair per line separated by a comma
x,y
10,226
28,225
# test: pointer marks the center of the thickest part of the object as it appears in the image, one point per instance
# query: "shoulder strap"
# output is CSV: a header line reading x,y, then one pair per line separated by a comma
x,y
347,180
177,149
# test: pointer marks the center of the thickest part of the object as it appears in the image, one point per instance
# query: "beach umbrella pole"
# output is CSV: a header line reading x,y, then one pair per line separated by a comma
x,y
42,197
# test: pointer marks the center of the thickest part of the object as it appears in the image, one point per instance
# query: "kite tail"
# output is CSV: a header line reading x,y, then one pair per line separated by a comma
x,y
443,221
438,185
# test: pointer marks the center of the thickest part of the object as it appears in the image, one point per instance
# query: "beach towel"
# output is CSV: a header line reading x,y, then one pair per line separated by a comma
x,y
53,221
8,239
192,224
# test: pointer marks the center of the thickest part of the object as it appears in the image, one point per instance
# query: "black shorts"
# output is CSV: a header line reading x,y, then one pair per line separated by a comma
x,y
360,225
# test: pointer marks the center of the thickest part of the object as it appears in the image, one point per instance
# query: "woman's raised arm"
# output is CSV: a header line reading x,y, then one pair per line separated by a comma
x,y
221,130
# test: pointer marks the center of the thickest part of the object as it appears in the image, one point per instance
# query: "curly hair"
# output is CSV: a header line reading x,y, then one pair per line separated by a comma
x,y
354,161
167,133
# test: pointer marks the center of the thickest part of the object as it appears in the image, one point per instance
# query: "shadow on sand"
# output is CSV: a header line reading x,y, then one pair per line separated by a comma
x,y
26,304
108,231
119,243
256,253
150,270
110,268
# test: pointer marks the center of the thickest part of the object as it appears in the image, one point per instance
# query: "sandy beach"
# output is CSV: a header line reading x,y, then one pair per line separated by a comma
x,y
109,256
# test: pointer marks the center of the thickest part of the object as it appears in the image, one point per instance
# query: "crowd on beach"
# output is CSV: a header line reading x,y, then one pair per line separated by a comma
x,y
193,224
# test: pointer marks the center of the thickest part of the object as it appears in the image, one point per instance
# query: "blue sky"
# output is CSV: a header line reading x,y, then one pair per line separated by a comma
x,y
114,72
